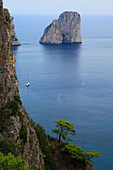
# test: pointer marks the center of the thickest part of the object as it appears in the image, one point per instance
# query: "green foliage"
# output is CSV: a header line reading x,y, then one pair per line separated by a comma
x,y
47,150
41,134
17,90
17,98
23,133
33,124
21,147
1,119
78,154
64,128
92,154
44,156
7,146
13,106
49,159
51,148
10,162
20,116
74,150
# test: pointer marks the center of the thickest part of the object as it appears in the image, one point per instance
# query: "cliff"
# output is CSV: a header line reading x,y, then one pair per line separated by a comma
x,y
64,30
15,41
15,124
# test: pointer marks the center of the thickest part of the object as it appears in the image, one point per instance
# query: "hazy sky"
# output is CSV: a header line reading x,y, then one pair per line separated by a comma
x,y
94,7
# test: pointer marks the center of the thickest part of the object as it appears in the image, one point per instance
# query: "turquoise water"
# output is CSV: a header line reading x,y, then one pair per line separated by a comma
x,y
73,82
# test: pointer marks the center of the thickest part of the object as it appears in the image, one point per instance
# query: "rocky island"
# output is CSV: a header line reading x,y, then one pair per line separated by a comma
x,y
64,30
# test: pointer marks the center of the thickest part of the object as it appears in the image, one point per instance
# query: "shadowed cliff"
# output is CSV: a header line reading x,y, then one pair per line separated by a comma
x,y
15,124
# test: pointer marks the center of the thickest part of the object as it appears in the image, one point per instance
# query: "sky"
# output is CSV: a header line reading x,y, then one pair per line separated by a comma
x,y
84,7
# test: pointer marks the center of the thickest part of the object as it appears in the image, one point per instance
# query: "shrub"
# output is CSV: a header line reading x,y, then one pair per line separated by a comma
x,y
49,159
51,148
7,146
17,98
11,162
21,147
23,133
20,116
13,106
41,134
79,155
44,156
33,124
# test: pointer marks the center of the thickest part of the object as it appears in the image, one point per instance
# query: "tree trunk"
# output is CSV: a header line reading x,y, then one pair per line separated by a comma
x,y
59,138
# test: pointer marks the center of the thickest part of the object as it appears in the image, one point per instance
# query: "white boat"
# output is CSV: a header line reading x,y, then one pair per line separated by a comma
x,y
27,84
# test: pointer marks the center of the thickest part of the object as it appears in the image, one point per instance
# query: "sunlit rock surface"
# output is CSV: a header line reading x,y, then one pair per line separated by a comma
x,y
64,30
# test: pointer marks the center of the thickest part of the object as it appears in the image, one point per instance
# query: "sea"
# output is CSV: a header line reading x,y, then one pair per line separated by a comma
x,y
73,82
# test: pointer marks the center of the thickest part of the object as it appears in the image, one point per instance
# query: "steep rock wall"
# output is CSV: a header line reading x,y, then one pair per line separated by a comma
x,y
15,41
13,118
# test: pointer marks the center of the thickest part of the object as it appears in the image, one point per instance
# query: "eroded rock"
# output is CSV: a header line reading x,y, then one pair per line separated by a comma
x,y
64,30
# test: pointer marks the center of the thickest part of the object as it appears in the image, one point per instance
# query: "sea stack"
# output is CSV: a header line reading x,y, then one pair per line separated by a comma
x,y
64,30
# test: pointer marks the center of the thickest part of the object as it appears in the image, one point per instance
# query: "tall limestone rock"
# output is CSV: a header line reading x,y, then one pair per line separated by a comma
x,y
64,30
15,123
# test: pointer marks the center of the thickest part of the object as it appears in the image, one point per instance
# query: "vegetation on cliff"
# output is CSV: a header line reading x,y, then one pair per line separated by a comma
x,y
60,155
9,162
17,136
64,128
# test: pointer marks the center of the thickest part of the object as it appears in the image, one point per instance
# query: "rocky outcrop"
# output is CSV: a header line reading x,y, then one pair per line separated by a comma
x,y
64,30
15,41
15,123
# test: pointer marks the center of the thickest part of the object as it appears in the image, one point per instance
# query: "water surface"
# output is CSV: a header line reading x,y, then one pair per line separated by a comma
x,y
73,82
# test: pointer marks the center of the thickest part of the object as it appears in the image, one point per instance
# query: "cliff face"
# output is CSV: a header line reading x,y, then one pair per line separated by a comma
x,y
15,123
15,41
64,30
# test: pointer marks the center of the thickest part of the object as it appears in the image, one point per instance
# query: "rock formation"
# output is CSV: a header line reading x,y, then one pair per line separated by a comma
x,y
15,123
15,41
64,30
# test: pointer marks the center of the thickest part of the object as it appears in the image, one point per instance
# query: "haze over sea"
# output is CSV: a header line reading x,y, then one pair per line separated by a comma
x,y
73,82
